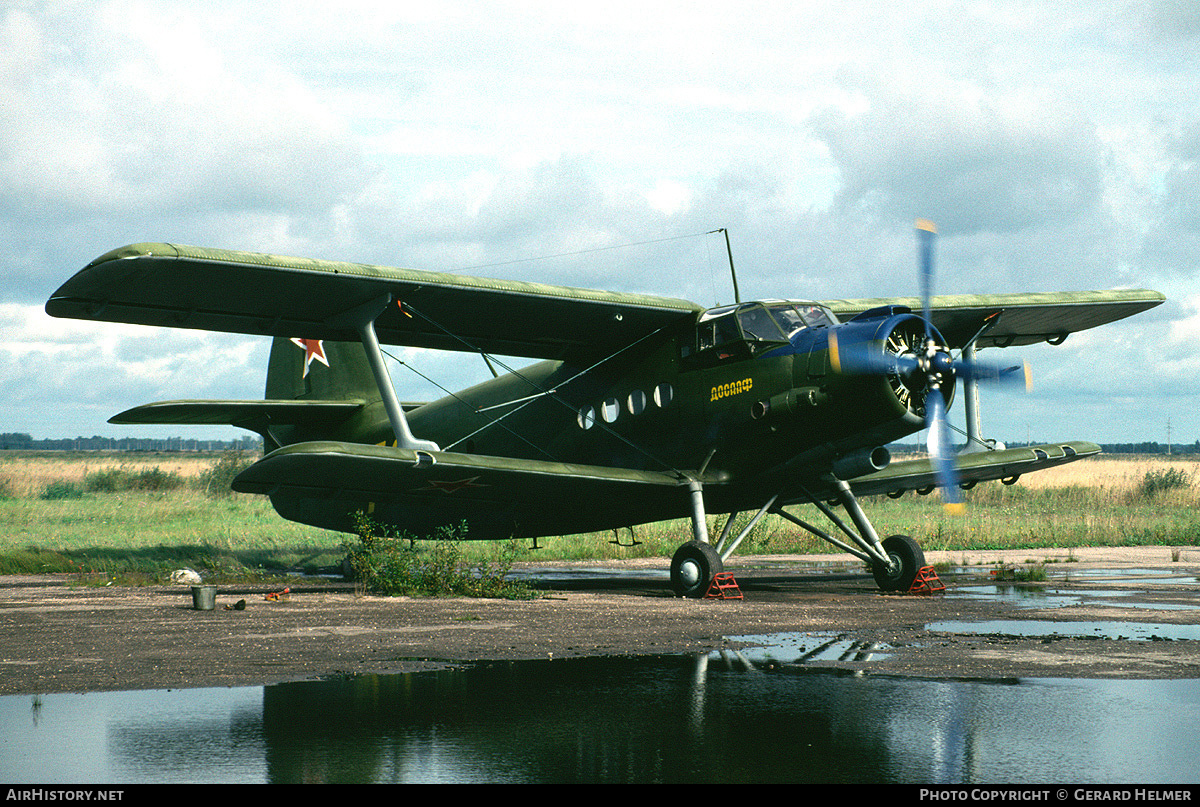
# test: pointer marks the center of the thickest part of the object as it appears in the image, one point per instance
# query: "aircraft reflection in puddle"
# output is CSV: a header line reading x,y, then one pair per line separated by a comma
x,y
801,648
763,716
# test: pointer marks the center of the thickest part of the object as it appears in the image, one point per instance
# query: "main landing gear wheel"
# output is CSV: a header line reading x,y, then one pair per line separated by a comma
x,y
693,568
908,559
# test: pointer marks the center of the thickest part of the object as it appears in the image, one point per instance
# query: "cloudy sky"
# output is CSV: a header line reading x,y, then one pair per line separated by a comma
x,y
1056,144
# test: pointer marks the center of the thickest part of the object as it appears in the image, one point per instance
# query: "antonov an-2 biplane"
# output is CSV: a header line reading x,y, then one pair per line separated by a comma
x,y
642,409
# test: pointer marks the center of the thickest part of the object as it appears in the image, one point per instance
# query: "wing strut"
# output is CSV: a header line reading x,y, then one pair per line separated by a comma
x,y
975,441
363,319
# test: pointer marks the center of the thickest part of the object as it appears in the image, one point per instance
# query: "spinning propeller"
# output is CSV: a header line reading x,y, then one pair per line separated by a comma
x,y
922,365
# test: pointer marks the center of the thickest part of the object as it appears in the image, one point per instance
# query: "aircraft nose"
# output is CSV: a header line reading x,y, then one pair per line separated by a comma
x,y
902,348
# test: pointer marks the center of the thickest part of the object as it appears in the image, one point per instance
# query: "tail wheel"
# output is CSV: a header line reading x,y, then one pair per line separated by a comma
x,y
693,568
907,560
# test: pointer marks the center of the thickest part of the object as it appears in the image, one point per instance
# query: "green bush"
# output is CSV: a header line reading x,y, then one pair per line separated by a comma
x,y
1155,482
62,489
1033,573
391,563
119,480
217,480
33,560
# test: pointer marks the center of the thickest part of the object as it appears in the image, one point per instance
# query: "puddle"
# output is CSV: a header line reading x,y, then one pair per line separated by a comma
x,y
1021,596
807,567
557,577
1033,596
584,573
1181,577
1154,606
614,720
560,578
1030,628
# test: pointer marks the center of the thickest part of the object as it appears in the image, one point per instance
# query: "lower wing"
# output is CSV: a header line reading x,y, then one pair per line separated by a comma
x,y
324,483
1007,464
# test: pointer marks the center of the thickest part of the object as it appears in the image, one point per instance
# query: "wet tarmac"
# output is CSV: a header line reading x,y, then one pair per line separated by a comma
x,y
1092,675
1142,604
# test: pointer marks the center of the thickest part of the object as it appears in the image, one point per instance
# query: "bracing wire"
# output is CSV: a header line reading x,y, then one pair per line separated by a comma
x,y
552,393
456,397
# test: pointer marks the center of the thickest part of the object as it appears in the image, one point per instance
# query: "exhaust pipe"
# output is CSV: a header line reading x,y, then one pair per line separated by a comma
x,y
862,461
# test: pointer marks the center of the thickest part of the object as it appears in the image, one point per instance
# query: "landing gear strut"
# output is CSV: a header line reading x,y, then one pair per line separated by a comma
x,y
696,562
895,562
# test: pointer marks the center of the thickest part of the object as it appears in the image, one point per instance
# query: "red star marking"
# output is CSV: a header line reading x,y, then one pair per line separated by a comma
x,y
313,349
454,487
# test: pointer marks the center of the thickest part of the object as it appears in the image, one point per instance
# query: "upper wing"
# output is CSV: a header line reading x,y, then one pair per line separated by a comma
x,y
1024,318
242,292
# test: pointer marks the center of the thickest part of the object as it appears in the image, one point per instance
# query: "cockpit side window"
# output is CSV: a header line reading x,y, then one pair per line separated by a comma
x,y
816,316
733,333
717,332
792,317
789,319
758,325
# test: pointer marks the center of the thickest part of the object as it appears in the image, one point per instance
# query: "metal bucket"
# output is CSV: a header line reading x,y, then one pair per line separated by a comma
x,y
204,598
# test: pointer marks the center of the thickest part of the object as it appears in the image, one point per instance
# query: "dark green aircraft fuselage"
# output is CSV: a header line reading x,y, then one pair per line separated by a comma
x,y
758,411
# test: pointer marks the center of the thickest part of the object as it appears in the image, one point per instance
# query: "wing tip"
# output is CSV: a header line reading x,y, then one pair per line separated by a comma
x,y
142,250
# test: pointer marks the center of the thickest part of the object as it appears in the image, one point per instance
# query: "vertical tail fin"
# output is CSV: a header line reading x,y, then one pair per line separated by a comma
x,y
311,370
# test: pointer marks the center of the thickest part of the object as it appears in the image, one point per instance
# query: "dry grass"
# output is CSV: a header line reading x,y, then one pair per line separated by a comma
x,y
1103,501
26,474
1095,502
1117,473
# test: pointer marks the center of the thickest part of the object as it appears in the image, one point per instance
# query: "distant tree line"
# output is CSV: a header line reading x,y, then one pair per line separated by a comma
x,y
17,441
1151,448
1147,447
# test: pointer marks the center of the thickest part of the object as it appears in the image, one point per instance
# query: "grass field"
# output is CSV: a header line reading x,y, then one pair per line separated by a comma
x,y
135,517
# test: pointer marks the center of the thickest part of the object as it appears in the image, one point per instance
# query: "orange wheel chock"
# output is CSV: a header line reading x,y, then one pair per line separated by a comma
x,y
723,587
927,582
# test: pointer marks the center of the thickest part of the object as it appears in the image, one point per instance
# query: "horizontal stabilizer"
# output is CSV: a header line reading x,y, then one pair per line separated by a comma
x,y
253,415
974,467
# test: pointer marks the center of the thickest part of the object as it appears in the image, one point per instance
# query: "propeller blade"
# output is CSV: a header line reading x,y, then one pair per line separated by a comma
x,y
939,368
941,452
926,233
1004,375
